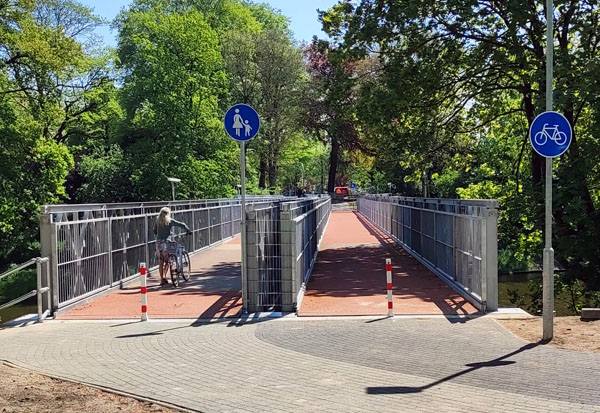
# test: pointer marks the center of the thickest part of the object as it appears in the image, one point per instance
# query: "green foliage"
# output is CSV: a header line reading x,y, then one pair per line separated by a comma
x,y
17,284
170,94
106,176
451,92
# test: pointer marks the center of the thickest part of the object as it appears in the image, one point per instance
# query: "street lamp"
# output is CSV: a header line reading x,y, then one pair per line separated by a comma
x,y
302,176
173,182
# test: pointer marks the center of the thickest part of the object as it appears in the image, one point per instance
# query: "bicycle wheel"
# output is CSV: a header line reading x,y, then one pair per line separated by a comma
x,y
540,138
186,270
173,270
561,138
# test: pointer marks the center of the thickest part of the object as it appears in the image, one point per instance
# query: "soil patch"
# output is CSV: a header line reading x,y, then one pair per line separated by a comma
x,y
23,391
569,332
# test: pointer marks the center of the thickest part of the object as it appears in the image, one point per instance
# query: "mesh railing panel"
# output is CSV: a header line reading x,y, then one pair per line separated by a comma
x,y
95,248
448,235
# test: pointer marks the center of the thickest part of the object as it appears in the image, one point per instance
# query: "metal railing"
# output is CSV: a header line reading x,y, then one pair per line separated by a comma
x,y
99,246
282,242
456,239
306,222
41,288
263,260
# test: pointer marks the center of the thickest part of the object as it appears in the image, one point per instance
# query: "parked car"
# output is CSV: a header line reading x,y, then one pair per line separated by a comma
x,y
342,190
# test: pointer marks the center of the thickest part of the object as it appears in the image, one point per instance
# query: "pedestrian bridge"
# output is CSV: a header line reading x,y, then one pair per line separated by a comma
x,y
296,255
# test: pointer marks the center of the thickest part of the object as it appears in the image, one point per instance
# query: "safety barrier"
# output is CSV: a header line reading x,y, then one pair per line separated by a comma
x,y
42,289
456,239
282,241
94,247
303,225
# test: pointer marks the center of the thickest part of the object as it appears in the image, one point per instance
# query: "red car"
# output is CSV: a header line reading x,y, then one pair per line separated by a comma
x,y
342,190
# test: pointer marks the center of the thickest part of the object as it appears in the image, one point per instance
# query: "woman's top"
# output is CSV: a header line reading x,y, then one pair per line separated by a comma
x,y
163,232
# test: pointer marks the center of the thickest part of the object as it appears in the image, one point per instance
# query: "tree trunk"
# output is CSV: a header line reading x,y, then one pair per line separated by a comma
x,y
537,166
333,161
272,174
262,172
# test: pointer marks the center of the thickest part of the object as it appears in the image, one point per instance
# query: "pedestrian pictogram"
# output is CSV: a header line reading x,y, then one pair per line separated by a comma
x,y
242,122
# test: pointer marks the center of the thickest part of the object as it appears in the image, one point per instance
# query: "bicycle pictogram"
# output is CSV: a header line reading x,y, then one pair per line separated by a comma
x,y
550,133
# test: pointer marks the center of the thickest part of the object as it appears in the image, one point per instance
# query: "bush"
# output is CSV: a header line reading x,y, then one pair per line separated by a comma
x,y
15,285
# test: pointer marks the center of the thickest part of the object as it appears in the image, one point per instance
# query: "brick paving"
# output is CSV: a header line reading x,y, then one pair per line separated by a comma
x,y
308,365
349,276
213,291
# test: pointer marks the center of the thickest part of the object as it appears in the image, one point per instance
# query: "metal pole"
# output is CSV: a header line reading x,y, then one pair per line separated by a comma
x,y
243,223
548,281
39,289
173,189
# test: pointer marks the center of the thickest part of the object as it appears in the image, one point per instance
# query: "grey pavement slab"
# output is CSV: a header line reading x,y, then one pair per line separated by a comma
x,y
299,365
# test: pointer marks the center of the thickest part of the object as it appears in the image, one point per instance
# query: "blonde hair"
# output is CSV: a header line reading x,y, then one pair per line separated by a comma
x,y
164,218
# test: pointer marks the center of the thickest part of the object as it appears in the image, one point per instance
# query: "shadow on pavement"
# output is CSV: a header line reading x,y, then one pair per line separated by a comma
x,y
452,304
497,362
359,271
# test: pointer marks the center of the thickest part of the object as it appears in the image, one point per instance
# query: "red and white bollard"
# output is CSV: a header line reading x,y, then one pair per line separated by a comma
x,y
388,273
144,291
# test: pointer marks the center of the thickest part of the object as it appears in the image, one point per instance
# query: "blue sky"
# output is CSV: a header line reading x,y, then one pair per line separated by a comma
x,y
303,15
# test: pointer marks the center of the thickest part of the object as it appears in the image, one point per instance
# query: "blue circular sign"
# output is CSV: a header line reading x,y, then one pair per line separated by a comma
x,y
242,122
550,134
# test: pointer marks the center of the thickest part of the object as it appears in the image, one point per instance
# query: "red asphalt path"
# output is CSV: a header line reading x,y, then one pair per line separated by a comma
x,y
214,291
349,276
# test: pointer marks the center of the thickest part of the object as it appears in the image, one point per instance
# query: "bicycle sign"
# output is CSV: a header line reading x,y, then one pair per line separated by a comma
x,y
550,134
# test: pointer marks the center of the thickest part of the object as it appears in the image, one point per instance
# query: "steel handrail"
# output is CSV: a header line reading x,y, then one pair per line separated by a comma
x,y
19,268
38,291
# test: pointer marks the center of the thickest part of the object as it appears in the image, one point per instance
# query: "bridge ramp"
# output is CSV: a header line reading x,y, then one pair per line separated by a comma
x,y
349,276
213,291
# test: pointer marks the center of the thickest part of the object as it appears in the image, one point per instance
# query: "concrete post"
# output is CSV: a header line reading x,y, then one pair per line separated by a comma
x,y
47,249
491,259
250,284
289,281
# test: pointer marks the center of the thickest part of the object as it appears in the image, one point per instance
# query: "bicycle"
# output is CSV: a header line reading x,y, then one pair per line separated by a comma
x,y
180,265
557,136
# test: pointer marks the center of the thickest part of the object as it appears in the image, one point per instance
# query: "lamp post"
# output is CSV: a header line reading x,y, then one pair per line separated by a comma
x,y
173,182
302,175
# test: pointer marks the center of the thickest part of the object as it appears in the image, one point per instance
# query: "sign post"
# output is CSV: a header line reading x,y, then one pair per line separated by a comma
x,y
242,124
550,135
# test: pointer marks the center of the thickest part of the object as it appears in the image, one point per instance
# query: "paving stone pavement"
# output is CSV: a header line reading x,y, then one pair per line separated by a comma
x,y
300,365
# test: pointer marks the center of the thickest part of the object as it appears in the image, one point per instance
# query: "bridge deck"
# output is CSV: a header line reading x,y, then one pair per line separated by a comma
x,y
214,291
349,276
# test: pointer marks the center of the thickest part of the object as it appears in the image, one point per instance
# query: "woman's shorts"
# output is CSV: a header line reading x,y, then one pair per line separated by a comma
x,y
162,250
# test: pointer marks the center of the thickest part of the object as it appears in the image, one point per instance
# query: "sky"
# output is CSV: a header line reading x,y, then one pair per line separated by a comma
x,y
303,15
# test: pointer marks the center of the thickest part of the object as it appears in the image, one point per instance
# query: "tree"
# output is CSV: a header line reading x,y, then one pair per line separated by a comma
x,y
45,77
173,82
454,72
329,102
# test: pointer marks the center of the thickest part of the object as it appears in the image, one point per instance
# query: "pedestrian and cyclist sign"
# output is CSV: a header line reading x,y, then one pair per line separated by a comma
x,y
242,122
550,134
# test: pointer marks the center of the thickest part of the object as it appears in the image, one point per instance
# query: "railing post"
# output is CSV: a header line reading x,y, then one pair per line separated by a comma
x,y
40,311
47,249
250,280
54,285
491,258
208,223
110,249
290,283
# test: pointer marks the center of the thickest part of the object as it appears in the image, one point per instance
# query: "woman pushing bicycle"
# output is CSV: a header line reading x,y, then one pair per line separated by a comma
x,y
162,231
